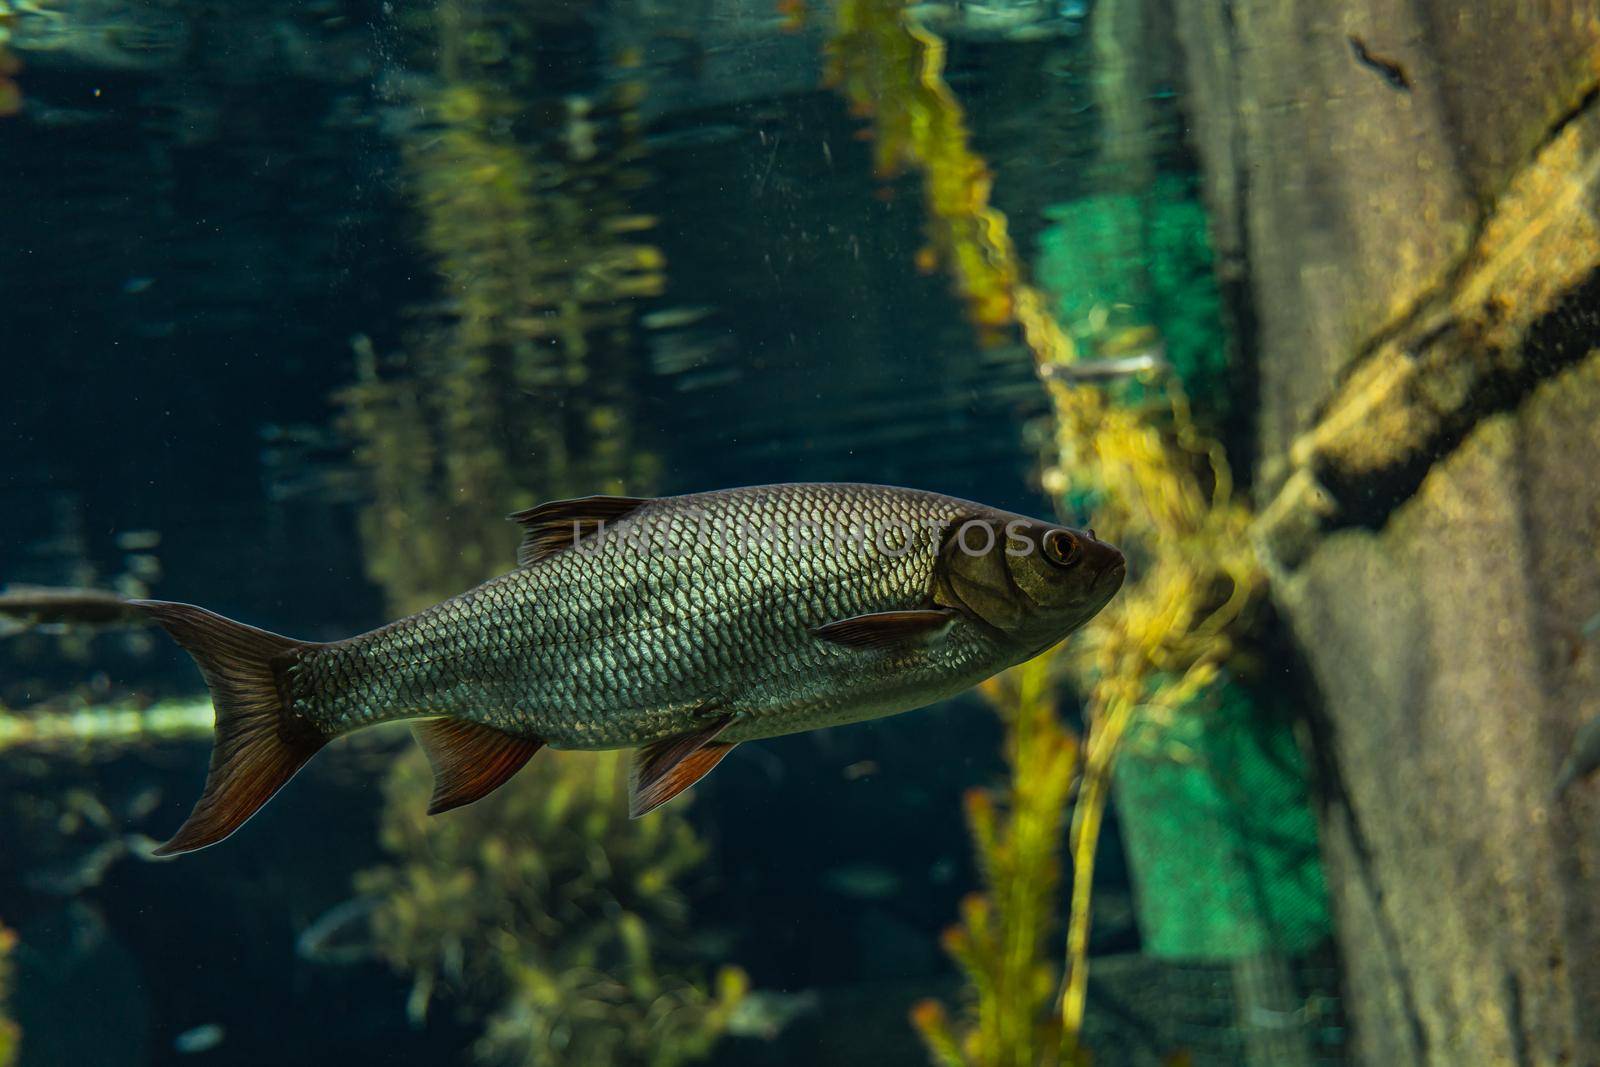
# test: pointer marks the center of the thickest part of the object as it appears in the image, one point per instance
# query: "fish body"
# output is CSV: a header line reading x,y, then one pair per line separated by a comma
x,y
680,626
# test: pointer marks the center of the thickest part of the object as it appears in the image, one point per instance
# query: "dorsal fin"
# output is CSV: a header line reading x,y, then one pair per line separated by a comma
x,y
469,761
560,524
665,768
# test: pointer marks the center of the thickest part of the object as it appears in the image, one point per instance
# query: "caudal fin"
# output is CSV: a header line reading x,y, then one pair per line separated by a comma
x,y
259,744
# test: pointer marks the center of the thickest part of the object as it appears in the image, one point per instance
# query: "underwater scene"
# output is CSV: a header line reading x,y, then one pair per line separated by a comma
x,y
774,533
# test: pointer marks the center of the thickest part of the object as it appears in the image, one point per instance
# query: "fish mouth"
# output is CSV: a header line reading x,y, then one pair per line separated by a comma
x,y
1111,576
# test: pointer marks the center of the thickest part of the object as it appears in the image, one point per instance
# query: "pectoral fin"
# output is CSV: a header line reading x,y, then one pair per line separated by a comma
x,y
469,761
665,768
887,629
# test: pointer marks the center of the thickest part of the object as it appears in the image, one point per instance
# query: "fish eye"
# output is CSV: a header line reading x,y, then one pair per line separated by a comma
x,y
1061,548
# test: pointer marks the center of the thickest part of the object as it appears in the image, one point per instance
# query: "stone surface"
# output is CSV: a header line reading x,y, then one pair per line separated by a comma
x,y
1449,654
1358,161
1351,152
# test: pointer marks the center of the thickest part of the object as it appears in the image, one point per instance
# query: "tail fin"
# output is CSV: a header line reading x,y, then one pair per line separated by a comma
x,y
259,744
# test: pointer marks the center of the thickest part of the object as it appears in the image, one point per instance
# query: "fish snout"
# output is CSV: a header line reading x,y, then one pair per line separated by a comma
x,y
1110,567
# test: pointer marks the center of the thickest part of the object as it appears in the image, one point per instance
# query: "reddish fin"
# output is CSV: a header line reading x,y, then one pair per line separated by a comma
x,y
469,761
885,629
259,743
560,524
665,768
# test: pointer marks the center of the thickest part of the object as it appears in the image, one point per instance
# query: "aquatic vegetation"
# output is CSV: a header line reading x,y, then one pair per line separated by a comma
x,y
545,903
1151,481
1002,945
85,726
10,91
890,70
519,388
10,1037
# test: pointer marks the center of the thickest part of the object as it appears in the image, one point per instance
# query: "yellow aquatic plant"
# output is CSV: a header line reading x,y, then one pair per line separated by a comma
x,y
1156,486
1002,944
10,92
890,70
10,1036
546,904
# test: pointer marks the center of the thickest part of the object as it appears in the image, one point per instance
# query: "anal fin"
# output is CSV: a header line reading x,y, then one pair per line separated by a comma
x,y
469,760
665,768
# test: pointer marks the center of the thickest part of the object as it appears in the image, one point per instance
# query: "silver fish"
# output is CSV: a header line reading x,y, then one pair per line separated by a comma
x,y
1137,365
680,626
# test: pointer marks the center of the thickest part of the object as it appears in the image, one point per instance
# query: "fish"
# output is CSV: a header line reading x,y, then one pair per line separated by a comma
x,y
202,1038
1140,364
334,937
863,881
1583,759
765,1013
677,626
23,607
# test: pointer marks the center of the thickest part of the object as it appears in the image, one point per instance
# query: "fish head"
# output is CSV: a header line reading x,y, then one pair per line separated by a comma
x,y
1034,581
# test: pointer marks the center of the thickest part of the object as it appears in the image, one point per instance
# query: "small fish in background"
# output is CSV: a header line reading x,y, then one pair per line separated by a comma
x,y
679,626
765,1014
675,318
201,1038
340,935
860,769
863,881
1106,370
1582,760
25,607
1132,352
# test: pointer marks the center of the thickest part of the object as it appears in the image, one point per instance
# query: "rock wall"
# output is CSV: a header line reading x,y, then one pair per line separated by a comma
x,y
1411,190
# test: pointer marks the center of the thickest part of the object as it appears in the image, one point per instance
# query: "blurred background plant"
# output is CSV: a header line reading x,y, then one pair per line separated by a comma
x,y
546,906
518,387
10,65
10,1036
1003,943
